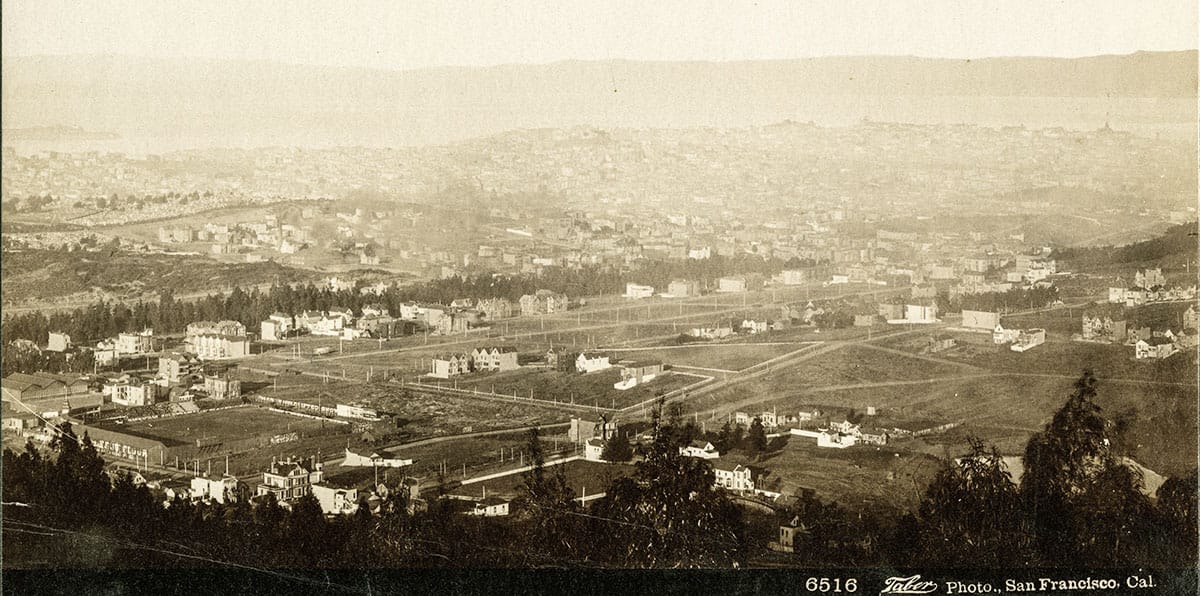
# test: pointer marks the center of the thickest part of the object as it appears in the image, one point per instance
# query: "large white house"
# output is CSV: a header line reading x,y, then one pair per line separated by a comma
x,y
444,367
700,449
593,449
920,313
491,507
587,363
219,347
739,478
219,490
1001,336
1153,348
135,343
336,500
1028,339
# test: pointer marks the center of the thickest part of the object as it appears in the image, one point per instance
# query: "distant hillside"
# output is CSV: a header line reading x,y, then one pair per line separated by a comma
x,y
1067,196
33,275
1178,245
260,102
55,133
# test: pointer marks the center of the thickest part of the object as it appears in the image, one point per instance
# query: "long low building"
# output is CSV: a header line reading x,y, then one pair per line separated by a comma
x,y
127,445
23,387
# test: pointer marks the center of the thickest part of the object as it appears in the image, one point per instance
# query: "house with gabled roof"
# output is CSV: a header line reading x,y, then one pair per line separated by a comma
x,y
1154,348
735,476
491,507
449,365
700,449
590,362
494,358
290,479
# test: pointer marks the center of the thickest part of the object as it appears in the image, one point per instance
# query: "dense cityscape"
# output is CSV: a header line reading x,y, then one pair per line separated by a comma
x,y
780,345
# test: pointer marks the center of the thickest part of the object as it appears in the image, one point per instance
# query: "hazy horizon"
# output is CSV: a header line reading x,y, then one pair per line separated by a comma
x,y
168,104
282,62
420,35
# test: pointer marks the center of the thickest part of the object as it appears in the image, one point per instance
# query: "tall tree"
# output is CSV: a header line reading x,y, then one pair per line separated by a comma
x,y
971,515
1178,521
756,438
549,507
617,449
1086,504
668,514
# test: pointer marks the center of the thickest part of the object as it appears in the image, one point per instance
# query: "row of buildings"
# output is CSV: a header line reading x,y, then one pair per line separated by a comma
x,y
492,358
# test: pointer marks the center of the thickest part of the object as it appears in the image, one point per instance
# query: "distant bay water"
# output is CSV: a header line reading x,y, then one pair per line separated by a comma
x,y
1167,118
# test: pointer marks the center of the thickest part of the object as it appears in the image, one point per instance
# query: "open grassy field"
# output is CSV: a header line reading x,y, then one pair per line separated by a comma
x,y
228,424
859,364
419,414
1061,357
593,388
720,356
1007,409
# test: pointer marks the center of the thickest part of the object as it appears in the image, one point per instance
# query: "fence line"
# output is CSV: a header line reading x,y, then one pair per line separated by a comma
x,y
322,418
521,469
510,398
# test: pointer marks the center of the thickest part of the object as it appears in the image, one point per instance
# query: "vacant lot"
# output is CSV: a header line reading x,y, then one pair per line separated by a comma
x,y
864,476
592,477
479,454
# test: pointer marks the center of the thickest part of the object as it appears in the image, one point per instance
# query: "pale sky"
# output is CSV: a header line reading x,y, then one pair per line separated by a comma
x,y
406,34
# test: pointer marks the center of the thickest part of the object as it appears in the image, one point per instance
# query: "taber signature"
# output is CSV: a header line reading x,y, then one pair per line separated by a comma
x,y
908,585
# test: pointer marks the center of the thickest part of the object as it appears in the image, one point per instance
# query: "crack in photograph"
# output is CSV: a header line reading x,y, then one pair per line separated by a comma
x,y
809,297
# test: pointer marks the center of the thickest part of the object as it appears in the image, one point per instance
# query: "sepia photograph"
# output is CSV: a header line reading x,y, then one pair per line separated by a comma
x,y
585,296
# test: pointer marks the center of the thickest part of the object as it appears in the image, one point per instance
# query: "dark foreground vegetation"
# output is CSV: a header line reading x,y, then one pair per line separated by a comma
x,y
1077,506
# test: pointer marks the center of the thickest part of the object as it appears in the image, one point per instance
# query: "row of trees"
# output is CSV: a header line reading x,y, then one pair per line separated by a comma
x,y
168,314
114,201
660,273
24,356
1014,299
